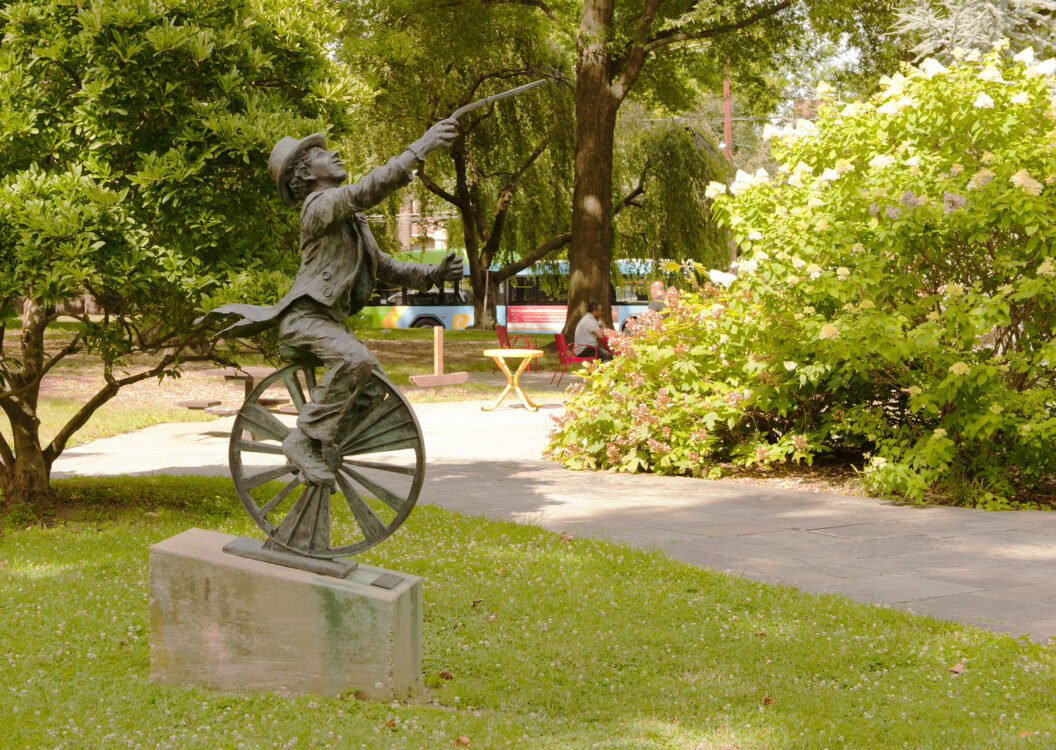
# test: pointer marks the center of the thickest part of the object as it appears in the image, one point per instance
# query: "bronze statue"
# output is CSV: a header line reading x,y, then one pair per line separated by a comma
x,y
356,436
340,262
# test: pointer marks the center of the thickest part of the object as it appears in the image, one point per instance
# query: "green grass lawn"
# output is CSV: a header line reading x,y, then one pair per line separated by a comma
x,y
550,642
111,419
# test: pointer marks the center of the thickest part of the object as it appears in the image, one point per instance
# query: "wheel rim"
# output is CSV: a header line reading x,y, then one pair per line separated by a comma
x,y
379,463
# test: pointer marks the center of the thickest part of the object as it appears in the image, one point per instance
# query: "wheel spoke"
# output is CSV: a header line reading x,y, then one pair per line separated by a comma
x,y
254,446
279,497
354,430
294,387
373,528
404,429
295,531
395,444
262,421
409,470
252,482
384,494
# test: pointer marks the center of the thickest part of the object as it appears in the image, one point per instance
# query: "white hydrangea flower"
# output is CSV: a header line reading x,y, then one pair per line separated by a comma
x,y
972,55
751,265
932,67
983,101
1026,183
1025,56
761,176
790,365
958,53
713,189
893,85
881,161
770,131
1046,68
755,235
828,332
1020,98
894,106
851,110
829,175
741,182
913,161
720,278
991,74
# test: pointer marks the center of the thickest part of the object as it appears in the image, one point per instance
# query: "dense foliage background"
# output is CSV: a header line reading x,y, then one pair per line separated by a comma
x,y
896,299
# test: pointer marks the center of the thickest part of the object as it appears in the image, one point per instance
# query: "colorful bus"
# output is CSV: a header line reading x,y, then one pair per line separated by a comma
x,y
533,301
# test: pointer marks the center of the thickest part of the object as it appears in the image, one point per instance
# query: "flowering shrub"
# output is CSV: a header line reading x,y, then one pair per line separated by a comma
x,y
895,297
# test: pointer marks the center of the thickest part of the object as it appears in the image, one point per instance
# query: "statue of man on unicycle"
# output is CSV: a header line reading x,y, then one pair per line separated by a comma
x,y
340,263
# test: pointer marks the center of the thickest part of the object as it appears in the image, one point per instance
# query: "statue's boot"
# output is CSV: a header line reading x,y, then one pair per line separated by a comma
x,y
304,453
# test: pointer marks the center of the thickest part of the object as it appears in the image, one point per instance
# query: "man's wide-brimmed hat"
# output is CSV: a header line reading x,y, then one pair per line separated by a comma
x,y
284,156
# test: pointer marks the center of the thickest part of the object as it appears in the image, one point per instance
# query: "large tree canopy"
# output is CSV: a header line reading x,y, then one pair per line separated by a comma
x,y
622,46
508,181
134,137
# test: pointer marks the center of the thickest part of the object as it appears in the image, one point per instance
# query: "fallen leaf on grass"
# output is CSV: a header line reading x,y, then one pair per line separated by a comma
x,y
767,700
462,741
445,675
493,617
1025,733
761,634
566,537
956,668
476,602
390,723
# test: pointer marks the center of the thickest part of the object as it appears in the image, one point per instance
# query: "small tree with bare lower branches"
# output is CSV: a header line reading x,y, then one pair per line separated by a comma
x,y
132,167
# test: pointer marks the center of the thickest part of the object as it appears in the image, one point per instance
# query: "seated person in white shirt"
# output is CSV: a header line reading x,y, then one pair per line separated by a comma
x,y
590,335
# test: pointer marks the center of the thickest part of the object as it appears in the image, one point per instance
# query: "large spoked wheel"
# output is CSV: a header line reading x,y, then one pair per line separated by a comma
x,y
379,463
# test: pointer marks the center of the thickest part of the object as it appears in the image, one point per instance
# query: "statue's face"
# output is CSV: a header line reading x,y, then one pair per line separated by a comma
x,y
326,166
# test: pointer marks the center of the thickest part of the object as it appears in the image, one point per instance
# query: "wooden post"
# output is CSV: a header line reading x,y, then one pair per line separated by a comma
x,y
438,378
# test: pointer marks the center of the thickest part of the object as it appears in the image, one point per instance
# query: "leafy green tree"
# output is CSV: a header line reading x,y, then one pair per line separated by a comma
x,y
895,302
133,155
939,28
663,167
626,46
508,180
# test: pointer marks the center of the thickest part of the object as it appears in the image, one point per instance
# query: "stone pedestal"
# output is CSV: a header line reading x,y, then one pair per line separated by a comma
x,y
230,623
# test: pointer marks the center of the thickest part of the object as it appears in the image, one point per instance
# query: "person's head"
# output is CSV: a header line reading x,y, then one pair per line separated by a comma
x,y
594,309
301,166
316,168
656,290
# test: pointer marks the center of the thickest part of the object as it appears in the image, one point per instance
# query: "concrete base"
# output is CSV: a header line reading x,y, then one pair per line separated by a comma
x,y
230,623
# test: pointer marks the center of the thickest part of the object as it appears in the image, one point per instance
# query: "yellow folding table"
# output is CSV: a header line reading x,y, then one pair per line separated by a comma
x,y
512,378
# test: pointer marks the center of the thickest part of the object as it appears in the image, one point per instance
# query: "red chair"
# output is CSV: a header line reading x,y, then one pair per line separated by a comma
x,y
505,342
566,356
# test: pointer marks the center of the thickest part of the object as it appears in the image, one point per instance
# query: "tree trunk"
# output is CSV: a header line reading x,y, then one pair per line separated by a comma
x,y
28,480
596,107
25,479
484,314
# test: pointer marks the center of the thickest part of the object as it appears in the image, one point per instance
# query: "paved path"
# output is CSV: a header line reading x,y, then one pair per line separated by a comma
x,y
993,570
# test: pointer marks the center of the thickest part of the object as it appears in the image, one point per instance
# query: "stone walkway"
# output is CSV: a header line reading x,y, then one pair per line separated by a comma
x,y
993,570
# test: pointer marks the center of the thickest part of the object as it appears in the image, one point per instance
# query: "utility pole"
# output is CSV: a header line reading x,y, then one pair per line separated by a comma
x,y
727,136
727,126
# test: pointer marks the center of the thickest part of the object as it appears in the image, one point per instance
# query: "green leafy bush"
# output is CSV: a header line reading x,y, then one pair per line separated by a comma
x,y
895,298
